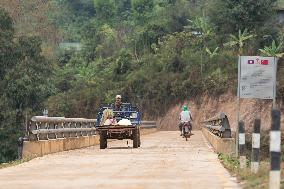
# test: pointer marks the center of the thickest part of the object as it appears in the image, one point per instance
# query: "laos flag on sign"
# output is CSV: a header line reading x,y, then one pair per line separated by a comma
x,y
250,61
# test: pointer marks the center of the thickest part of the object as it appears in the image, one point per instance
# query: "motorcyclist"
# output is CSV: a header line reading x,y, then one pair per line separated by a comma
x,y
185,116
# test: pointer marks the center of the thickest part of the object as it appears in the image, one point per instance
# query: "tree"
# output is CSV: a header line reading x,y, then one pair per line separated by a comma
x,y
123,9
105,9
24,82
212,53
141,8
123,63
70,17
27,83
273,50
32,17
239,40
200,26
229,16
7,56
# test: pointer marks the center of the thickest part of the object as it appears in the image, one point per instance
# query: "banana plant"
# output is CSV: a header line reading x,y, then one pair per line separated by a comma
x,y
201,26
239,40
212,53
273,50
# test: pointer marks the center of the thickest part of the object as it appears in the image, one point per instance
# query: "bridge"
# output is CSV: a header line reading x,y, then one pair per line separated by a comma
x,y
164,160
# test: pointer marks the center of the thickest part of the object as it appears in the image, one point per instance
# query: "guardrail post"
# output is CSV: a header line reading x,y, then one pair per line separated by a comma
x,y
20,142
242,143
255,146
275,151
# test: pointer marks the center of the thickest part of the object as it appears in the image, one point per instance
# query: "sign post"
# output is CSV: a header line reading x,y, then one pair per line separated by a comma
x,y
256,80
238,108
275,71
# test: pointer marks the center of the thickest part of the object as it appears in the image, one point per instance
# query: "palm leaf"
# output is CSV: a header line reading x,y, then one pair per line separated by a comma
x,y
279,55
272,50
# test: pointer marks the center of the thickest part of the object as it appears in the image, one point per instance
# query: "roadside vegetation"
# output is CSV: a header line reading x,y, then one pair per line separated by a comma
x,y
14,163
154,52
249,180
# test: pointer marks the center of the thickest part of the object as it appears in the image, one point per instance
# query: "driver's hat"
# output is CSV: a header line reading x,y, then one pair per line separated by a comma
x,y
118,96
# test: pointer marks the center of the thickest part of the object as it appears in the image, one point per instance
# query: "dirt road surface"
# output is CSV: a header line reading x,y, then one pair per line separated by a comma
x,y
164,161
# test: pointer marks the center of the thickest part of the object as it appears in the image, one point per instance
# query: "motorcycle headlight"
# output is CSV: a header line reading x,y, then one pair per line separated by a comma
x,y
134,115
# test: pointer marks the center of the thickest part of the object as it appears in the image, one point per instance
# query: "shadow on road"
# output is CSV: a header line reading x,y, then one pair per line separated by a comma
x,y
119,147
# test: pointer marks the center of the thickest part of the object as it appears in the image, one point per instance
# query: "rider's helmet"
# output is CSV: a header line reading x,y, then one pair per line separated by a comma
x,y
184,108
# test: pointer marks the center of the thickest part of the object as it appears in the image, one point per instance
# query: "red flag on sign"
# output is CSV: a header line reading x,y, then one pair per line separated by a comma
x,y
264,62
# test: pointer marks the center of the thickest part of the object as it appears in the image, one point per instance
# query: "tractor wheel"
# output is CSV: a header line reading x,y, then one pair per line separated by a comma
x,y
103,139
135,138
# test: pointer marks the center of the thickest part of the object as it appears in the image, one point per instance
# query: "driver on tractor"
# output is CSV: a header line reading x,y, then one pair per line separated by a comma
x,y
117,104
185,117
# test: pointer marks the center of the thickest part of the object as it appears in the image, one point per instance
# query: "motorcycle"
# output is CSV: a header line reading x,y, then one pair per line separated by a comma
x,y
186,130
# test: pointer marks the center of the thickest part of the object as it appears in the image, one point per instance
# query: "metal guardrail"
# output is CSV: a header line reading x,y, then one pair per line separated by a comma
x,y
45,128
148,124
219,125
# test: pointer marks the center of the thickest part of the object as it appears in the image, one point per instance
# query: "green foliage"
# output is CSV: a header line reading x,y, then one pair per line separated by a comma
x,y
230,16
6,25
201,26
142,6
239,40
123,62
69,17
154,52
249,180
6,44
123,9
230,163
24,80
212,53
273,50
105,9
27,83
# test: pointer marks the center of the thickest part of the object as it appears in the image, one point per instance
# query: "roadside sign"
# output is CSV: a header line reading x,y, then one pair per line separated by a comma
x,y
257,77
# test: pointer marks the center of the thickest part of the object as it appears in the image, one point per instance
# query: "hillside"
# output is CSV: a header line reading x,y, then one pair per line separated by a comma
x,y
207,106
155,53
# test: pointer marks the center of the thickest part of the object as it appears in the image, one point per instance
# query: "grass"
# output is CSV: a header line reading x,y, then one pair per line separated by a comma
x,y
248,179
245,176
14,163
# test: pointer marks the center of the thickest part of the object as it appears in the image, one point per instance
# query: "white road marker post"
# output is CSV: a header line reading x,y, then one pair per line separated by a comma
x,y
242,142
255,146
275,151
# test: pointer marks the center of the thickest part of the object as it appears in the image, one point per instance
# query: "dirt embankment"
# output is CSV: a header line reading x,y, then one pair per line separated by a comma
x,y
205,107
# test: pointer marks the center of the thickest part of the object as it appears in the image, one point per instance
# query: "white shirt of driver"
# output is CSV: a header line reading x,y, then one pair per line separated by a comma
x,y
185,116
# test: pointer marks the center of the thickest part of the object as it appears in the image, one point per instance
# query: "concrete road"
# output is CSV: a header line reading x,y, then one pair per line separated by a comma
x,y
165,160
